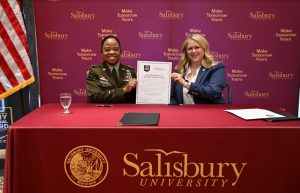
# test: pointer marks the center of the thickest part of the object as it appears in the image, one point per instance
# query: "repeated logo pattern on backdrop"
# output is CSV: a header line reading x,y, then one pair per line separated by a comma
x,y
258,42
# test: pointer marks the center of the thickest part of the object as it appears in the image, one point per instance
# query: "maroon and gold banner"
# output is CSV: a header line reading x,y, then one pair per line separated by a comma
x,y
257,41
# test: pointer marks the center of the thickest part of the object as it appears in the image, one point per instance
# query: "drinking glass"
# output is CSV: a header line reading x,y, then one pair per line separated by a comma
x,y
65,101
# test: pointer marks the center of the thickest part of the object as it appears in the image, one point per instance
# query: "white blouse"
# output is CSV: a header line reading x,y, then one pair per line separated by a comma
x,y
187,98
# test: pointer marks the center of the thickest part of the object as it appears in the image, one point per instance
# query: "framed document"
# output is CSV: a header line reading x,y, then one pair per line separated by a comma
x,y
154,82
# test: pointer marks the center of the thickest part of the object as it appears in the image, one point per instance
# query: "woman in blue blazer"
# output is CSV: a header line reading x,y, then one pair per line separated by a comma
x,y
198,79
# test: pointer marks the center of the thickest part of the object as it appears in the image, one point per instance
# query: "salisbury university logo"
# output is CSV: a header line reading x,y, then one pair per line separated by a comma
x,y
86,166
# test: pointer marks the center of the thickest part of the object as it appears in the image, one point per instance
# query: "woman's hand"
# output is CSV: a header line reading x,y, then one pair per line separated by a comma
x,y
178,78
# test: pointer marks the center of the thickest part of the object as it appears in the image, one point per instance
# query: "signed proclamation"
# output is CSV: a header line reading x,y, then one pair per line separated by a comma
x,y
154,82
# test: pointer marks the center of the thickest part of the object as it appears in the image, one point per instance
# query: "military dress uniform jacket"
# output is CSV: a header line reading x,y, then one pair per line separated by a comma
x,y
207,89
102,88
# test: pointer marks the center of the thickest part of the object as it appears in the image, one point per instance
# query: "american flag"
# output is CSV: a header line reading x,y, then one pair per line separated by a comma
x,y
15,67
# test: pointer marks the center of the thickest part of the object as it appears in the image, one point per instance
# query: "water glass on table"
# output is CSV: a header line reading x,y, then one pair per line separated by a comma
x,y
65,101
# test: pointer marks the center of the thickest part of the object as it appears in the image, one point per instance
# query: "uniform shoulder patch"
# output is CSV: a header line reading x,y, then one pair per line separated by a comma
x,y
95,66
128,66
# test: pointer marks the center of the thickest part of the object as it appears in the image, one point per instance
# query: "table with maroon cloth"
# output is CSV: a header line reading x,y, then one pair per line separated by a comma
x,y
194,148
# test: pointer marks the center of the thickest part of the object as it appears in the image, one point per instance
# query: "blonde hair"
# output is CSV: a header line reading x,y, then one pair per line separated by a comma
x,y
208,59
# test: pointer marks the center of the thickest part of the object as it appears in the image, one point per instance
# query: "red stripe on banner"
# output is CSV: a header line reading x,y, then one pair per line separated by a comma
x,y
7,71
15,23
2,89
14,53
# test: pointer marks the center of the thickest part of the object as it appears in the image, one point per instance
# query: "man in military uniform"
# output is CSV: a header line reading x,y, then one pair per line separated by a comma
x,y
111,82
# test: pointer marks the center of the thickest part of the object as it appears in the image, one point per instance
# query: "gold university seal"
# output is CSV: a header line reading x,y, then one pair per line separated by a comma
x,y
86,166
